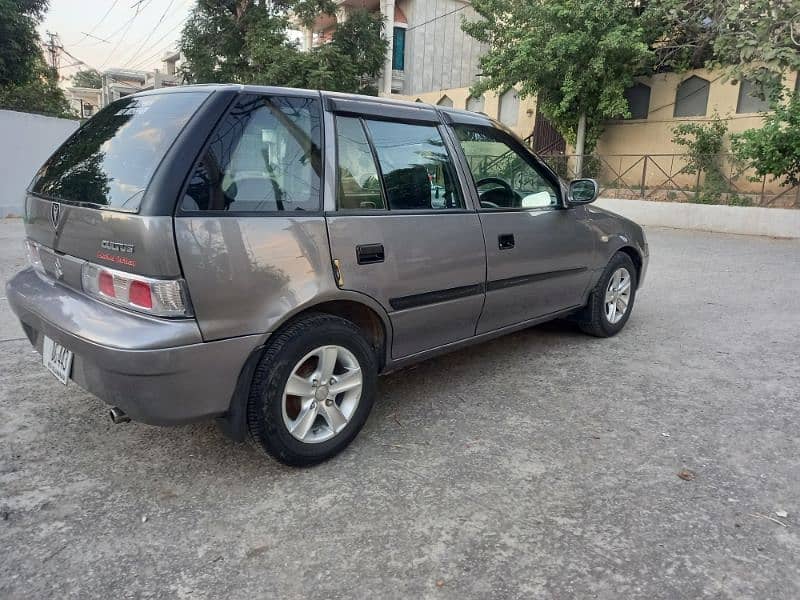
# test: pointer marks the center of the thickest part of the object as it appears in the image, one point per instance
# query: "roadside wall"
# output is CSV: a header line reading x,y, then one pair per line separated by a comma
x,y
27,141
745,220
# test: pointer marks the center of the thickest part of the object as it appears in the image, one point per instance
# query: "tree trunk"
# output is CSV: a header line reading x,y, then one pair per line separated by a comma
x,y
580,141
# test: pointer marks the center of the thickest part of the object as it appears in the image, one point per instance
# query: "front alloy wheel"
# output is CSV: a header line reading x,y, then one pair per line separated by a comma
x,y
618,295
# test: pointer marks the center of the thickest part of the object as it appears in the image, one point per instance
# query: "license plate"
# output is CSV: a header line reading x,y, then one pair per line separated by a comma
x,y
57,359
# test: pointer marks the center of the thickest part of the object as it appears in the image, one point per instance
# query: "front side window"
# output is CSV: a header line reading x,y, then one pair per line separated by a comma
x,y
505,176
264,157
418,173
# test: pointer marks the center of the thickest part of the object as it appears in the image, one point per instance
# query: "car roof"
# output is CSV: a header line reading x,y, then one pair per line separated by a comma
x,y
265,89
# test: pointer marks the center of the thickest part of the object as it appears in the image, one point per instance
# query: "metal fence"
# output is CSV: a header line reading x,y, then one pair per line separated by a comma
x,y
671,177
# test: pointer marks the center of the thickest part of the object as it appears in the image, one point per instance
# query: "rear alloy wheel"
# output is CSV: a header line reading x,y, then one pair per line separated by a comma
x,y
312,390
611,301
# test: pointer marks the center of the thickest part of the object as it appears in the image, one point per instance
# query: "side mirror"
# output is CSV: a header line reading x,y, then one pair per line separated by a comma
x,y
582,191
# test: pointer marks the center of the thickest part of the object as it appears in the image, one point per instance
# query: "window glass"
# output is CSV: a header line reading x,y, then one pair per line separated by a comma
x,y
358,180
691,97
417,170
110,160
506,177
265,156
399,49
749,102
638,98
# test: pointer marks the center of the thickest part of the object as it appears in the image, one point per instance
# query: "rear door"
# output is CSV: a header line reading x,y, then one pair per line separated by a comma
x,y
538,252
401,231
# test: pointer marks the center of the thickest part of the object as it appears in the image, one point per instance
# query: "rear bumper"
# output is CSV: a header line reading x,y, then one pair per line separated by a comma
x,y
158,371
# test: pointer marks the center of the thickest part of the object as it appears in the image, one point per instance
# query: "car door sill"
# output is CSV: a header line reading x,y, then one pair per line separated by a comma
x,y
399,363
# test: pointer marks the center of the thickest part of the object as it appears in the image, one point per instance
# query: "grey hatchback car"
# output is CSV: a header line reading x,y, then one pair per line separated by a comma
x,y
259,255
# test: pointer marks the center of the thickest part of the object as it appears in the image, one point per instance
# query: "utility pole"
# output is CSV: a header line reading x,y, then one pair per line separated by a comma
x,y
54,48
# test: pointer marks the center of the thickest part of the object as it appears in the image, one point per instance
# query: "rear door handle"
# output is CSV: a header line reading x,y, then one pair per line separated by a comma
x,y
505,241
369,254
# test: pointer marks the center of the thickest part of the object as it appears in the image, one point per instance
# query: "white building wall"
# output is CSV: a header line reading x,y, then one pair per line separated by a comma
x,y
439,55
29,140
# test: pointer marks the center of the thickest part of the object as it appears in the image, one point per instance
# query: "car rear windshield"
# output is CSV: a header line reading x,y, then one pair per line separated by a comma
x,y
110,160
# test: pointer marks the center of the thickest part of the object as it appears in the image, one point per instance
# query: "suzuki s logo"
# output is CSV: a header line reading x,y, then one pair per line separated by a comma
x,y
55,214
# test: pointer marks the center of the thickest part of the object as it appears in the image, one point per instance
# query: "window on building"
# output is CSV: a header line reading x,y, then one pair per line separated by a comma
x,y
475,104
399,49
638,97
359,183
509,108
749,102
691,98
265,156
445,101
418,173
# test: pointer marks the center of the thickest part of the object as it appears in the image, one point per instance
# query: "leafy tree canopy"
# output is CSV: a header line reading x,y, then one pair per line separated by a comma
x,y
774,149
246,42
576,56
87,78
752,39
26,82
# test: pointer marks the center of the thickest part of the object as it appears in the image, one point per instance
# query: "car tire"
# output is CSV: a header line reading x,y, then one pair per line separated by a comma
x,y
597,318
303,429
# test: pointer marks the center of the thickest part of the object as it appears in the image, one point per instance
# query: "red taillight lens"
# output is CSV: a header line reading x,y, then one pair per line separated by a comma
x,y
139,294
105,282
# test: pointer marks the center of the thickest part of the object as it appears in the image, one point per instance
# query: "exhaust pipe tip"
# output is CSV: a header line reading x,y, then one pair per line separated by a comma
x,y
118,416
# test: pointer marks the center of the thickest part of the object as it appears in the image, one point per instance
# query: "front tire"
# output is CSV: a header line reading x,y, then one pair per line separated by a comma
x,y
611,301
312,390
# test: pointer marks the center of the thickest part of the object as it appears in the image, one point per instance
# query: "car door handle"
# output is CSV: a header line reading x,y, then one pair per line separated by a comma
x,y
505,241
369,254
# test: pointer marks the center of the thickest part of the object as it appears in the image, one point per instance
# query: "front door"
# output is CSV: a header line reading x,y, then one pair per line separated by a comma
x,y
402,233
538,252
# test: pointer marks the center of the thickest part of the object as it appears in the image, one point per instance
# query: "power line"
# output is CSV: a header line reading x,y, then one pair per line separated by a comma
x,y
127,26
151,56
447,14
149,35
96,25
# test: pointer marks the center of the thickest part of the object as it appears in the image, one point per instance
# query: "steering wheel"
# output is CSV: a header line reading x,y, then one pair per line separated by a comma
x,y
503,184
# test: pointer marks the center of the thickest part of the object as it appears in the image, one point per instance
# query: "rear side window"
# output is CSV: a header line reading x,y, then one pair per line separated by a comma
x,y
417,170
110,160
359,182
264,157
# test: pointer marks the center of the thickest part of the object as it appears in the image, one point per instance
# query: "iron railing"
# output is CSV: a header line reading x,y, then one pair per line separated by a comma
x,y
671,177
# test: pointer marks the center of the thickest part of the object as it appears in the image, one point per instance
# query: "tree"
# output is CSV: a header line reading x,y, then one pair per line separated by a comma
x,y
246,42
774,149
87,78
576,56
704,143
26,82
753,39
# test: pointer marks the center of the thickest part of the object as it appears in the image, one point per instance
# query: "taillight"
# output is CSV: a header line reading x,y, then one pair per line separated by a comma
x,y
32,248
160,297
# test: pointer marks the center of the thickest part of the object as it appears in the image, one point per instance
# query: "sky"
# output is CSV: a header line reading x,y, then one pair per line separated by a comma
x,y
136,34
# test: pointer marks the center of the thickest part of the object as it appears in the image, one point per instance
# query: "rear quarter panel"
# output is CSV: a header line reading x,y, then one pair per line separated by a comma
x,y
246,274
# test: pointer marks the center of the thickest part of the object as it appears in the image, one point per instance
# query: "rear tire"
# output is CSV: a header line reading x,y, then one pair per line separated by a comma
x,y
309,420
611,301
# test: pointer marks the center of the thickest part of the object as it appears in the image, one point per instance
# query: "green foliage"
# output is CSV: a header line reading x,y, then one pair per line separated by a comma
x,y
246,42
87,78
774,149
749,40
704,144
40,94
576,56
19,47
26,83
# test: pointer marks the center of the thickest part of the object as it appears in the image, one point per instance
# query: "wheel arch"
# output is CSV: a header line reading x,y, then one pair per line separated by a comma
x,y
636,258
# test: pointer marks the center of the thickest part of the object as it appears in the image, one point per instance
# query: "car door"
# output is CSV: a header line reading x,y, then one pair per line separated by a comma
x,y
538,252
401,231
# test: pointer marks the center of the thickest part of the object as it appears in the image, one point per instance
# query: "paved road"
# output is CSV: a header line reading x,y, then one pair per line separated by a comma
x,y
541,465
